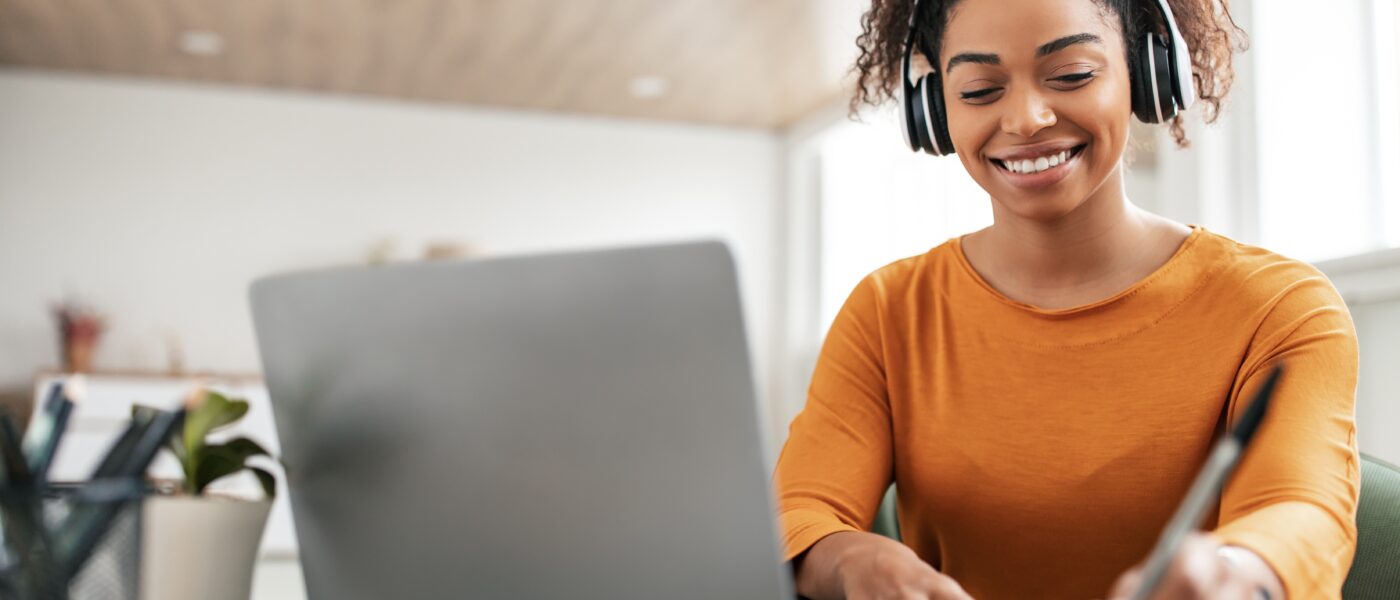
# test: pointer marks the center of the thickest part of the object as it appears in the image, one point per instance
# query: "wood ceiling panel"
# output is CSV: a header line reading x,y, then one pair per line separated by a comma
x,y
752,63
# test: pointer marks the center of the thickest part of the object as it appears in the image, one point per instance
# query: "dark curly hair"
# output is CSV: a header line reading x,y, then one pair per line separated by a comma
x,y
1209,30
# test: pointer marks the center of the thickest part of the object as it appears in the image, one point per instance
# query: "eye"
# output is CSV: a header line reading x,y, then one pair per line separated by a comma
x,y
982,96
1073,80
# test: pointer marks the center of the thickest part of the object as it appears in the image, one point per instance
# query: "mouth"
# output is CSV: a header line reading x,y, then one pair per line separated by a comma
x,y
1041,170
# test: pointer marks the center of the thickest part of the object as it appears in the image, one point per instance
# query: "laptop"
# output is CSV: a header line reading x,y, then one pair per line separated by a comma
x,y
577,425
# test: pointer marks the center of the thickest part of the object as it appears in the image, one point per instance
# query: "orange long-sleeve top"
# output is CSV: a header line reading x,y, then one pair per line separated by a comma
x,y
1038,453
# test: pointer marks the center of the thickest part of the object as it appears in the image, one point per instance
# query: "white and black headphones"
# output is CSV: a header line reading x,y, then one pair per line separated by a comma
x,y
1160,87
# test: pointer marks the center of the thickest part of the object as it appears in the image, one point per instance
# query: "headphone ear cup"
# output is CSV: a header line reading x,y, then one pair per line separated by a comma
x,y
1140,84
933,83
1152,92
919,111
906,105
1166,80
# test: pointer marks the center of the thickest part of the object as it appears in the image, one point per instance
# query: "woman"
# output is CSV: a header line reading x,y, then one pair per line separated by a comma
x,y
1044,390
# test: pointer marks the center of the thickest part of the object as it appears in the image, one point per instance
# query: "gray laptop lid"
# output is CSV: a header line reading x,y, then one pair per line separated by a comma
x,y
574,425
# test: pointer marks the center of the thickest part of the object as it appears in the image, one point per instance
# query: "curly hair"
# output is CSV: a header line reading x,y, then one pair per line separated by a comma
x,y
1209,30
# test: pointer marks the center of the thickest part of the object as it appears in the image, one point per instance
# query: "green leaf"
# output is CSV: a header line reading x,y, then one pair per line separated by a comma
x,y
246,447
204,463
216,462
200,419
235,410
214,412
269,483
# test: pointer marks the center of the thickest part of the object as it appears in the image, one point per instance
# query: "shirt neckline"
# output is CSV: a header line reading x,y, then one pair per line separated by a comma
x,y
1172,262
1135,308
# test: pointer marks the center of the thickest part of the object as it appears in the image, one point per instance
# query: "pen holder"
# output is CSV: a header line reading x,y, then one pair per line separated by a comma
x,y
30,567
113,572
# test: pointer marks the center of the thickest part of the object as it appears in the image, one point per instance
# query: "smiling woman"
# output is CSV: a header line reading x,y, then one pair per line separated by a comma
x,y
1036,98
1043,390
1206,27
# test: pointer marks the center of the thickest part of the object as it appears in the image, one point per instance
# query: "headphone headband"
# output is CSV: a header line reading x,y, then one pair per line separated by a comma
x,y
1178,51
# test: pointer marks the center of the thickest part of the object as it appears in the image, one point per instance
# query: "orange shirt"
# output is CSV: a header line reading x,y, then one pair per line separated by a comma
x,y
1038,453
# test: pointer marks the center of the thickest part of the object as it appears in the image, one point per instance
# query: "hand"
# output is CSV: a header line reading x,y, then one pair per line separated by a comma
x,y
1199,571
867,566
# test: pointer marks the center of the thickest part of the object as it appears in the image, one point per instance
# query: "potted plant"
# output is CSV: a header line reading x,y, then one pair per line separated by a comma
x,y
198,544
79,330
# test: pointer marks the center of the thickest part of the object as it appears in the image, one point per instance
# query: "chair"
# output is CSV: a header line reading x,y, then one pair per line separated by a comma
x,y
1375,572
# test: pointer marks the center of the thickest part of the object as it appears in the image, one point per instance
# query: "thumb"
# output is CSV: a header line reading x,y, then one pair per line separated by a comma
x,y
955,592
1127,584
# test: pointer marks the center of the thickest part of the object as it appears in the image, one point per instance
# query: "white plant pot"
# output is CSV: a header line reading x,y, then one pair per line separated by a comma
x,y
200,547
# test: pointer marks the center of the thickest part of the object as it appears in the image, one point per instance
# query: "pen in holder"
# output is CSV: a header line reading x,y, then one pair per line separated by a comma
x,y
50,533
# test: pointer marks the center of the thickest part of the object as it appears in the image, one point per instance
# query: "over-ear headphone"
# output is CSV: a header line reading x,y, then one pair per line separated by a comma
x,y
1161,88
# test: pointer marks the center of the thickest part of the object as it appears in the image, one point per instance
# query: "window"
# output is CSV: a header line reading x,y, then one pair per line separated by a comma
x,y
1328,121
880,203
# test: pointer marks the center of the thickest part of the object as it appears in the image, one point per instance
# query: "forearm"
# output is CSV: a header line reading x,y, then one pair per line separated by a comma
x,y
817,569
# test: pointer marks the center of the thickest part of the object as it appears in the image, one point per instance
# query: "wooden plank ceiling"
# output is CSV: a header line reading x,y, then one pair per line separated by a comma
x,y
748,63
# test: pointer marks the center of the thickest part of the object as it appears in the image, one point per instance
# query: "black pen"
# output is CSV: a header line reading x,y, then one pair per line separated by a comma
x,y
117,454
16,469
1206,489
126,462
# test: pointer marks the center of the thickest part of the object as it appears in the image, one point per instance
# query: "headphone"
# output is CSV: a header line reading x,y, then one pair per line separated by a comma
x,y
1160,88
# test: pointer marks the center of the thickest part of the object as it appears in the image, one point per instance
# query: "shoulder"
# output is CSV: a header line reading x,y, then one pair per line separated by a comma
x,y
1278,298
888,294
912,275
1256,277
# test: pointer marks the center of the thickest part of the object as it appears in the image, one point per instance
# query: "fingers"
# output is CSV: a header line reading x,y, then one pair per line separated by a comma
x,y
935,586
941,587
1127,584
883,568
945,588
1197,571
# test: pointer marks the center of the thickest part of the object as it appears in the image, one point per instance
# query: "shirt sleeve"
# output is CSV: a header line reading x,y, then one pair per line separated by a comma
x,y
1293,498
836,464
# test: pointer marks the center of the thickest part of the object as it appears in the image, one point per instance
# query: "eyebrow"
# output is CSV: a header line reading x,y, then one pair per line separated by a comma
x,y
1067,41
1044,50
972,57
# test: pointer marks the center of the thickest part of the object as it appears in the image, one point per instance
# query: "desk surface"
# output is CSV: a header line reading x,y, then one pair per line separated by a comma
x,y
278,579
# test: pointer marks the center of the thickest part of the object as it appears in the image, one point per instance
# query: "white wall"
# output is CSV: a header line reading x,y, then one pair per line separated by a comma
x,y
159,202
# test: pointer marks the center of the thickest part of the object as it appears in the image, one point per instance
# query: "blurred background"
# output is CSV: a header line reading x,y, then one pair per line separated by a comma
x,y
158,155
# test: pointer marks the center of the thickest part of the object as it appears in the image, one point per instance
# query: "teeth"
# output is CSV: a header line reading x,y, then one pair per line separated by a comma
x,y
1036,165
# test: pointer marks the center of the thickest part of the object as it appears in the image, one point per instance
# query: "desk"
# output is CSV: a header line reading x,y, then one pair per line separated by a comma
x,y
278,578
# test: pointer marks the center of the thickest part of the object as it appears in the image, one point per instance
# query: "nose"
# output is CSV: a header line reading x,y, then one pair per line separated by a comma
x,y
1027,113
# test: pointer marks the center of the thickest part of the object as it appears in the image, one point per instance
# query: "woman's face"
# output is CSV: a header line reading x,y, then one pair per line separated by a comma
x,y
1038,100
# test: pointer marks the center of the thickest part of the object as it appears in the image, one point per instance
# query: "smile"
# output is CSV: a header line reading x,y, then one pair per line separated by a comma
x,y
1030,166
1039,172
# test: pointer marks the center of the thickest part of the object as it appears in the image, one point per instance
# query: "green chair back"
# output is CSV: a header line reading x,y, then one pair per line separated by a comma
x,y
886,523
1375,571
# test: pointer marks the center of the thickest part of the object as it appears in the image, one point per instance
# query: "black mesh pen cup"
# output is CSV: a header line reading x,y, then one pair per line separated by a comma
x,y
70,541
